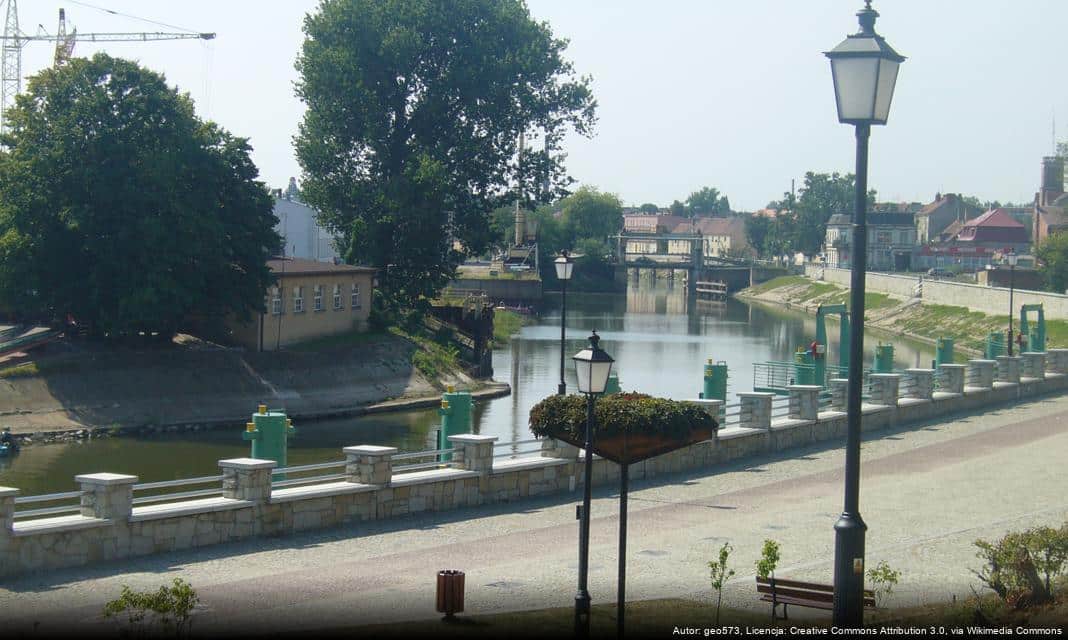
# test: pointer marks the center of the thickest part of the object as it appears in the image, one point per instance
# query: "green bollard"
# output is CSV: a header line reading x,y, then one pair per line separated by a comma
x,y
269,432
612,386
715,382
884,359
804,367
943,351
995,345
455,415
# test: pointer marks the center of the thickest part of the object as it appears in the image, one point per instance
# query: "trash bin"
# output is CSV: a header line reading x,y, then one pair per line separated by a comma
x,y
450,592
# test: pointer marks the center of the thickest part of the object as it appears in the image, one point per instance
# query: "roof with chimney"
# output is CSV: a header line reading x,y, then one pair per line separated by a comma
x,y
996,225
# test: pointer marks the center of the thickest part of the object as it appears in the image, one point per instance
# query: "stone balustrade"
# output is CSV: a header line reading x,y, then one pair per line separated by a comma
x,y
755,412
108,526
981,373
1057,361
952,377
884,388
804,401
1033,365
1008,369
918,384
839,393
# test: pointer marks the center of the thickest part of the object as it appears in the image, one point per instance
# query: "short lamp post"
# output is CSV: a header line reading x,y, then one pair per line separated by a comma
x,y
1011,259
592,366
864,68
564,266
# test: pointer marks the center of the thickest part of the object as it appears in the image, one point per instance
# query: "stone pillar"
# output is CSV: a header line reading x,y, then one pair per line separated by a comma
x,y
1057,360
553,448
755,412
1034,365
247,479
981,373
919,383
473,453
952,377
107,495
7,511
884,388
1009,369
839,394
712,407
804,401
369,464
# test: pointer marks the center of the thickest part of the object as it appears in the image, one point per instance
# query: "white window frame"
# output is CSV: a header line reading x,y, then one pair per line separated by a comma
x,y
277,303
298,299
318,300
337,298
356,297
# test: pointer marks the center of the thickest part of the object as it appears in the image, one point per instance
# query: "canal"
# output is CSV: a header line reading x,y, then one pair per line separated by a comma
x,y
659,339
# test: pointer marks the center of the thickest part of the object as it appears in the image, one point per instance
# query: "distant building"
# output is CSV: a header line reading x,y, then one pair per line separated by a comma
x,y
933,218
1051,202
308,300
977,242
721,237
891,241
301,232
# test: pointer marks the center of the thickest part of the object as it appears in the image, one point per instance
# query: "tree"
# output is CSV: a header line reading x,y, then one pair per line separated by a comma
x,y
677,208
589,213
1053,255
414,111
707,202
823,195
720,573
122,208
649,207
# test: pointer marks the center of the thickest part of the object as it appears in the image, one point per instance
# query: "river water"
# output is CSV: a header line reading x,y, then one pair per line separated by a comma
x,y
659,339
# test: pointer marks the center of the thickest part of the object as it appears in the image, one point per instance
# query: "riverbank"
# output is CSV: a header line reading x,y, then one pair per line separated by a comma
x,y
73,389
910,318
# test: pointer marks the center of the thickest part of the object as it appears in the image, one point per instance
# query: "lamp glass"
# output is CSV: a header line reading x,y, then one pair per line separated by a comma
x,y
1011,257
885,90
592,366
855,85
564,266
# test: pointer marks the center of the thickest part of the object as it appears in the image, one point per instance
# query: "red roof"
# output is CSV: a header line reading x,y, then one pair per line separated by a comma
x,y
994,218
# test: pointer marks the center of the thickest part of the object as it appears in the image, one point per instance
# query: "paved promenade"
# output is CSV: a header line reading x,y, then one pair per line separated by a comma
x,y
927,493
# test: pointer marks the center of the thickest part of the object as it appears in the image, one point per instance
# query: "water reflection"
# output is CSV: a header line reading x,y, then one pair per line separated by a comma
x,y
659,338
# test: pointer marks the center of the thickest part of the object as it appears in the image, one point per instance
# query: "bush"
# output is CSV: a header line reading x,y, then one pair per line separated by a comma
x,y
616,414
154,613
1021,566
883,579
769,559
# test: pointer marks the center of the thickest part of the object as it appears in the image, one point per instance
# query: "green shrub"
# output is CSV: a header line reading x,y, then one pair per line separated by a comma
x,y
883,580
1021,567
618,413
154,613
769,559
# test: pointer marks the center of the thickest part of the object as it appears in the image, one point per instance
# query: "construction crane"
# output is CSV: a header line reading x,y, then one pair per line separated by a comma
x,y
14,40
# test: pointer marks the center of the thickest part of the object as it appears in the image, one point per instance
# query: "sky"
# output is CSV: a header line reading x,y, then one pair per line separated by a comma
x,y
733,94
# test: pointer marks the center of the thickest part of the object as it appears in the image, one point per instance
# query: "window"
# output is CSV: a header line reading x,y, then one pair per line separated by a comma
x,y
337,297
276,301
298,299
318,297
356,297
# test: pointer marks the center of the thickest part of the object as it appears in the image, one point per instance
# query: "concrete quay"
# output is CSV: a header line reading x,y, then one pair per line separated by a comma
x,y
928,491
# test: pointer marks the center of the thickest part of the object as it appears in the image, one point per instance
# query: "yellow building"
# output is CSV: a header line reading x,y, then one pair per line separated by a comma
x,y
308,300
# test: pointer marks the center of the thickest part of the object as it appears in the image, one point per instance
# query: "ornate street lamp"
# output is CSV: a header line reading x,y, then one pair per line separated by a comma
x,y
1011,259
592,365
864,68
564,266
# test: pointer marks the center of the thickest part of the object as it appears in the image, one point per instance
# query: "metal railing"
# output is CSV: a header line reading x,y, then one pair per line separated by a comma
x,y
439,461
516,447
48,511
306,468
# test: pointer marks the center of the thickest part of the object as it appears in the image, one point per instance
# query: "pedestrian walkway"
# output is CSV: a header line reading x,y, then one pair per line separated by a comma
x,y
927,493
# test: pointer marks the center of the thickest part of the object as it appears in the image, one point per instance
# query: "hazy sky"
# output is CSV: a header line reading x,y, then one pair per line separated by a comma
x,y
734,94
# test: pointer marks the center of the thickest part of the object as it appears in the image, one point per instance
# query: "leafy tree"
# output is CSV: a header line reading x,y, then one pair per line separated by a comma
x,y
589,213
649,207
707,202
677,208
822,195
121,207
769,559
720,573
757,229
410,138
1053,255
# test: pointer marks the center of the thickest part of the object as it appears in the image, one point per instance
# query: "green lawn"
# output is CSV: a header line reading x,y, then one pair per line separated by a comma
x,y
506,324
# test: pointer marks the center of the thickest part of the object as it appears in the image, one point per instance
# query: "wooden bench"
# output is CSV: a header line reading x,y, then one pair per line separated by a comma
x,y
802,594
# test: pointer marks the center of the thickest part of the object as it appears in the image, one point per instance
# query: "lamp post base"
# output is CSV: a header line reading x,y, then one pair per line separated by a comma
x,y
849,571
561,389
582,614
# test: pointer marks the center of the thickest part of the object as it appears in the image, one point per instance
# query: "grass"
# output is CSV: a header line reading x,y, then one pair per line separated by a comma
x,y
433,359
775,283
506,324
967,328
32,369
26,370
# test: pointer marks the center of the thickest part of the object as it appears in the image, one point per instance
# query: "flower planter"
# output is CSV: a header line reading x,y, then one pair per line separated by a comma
x,y
628,448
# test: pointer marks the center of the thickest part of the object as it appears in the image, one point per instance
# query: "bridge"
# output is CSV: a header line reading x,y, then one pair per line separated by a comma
x,y
696,254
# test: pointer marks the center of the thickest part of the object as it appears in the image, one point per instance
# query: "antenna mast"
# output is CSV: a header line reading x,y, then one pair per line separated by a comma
x,y
12,63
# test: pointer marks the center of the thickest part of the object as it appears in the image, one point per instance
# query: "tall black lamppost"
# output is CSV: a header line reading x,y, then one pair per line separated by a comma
x,y
864,68
592,366
564,266
1011,259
